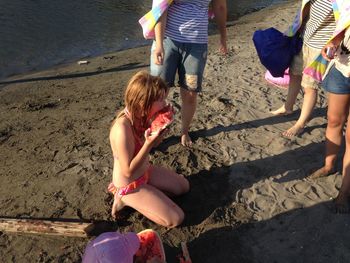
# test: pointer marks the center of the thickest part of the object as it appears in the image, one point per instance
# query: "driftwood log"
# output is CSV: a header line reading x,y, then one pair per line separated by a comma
x,y
44,227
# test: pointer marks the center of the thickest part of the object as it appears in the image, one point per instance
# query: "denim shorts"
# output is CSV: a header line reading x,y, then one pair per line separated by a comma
x,y
335,82
187,59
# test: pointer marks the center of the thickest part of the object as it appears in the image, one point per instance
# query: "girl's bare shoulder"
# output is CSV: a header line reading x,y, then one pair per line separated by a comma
x,y
120,125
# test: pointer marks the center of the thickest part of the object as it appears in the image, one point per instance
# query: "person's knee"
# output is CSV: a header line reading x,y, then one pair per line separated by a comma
x,y
177,217
310,91
189,97
334,121
185,186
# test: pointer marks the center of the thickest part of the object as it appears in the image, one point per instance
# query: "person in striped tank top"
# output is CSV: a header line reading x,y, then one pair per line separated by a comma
x,y
317,28
180,45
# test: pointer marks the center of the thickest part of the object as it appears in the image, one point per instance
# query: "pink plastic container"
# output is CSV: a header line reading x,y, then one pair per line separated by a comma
x,y
279,82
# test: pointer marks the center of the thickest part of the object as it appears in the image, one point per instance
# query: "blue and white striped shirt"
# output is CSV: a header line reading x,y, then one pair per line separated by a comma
x,y
187,21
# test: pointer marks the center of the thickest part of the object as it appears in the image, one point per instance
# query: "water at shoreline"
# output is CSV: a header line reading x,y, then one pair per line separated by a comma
x,y
42,33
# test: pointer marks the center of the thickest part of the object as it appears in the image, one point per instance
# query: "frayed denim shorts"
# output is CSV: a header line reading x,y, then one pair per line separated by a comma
x,y
335,82
187,59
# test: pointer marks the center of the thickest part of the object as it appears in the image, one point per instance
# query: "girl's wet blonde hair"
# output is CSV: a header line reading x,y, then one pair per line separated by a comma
x,y
142,91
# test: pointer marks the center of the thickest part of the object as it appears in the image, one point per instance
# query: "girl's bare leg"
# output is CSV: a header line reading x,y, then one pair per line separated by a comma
x,y
161,178
309,102
168,181
117,205
293,91
338,109
188,109
342,200
155,205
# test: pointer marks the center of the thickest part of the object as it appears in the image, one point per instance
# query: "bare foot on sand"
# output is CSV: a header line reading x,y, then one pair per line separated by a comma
x,y
322,172
295,130
186,140
341,203
281,111
117,205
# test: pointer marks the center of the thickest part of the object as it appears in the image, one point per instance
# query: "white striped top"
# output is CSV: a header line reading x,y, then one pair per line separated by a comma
x,y
321,24
187,21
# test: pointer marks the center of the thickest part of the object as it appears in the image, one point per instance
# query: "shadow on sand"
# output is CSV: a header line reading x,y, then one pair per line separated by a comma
x,y
210,202
313,234
272,120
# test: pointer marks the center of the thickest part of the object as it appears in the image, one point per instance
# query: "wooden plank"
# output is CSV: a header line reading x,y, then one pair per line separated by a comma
x,y
44,227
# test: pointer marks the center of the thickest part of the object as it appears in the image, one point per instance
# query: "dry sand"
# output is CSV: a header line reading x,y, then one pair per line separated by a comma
x,y
250,200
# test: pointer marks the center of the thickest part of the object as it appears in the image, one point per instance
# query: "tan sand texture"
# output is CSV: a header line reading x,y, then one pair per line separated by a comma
x,y
250,200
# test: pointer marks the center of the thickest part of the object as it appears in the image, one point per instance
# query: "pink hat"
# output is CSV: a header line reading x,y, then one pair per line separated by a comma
x,y
112,247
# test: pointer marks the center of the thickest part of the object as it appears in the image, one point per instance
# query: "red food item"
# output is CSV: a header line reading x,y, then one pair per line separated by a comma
x,y
162,119
151,246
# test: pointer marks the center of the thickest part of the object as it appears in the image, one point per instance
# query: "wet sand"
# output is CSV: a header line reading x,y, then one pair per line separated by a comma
x,y
250,200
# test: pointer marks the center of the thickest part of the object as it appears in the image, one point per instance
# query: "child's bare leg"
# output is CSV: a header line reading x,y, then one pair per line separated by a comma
x,y
117,205
293,91
155,205
310,98
342,200
338,108
341,203
168,181
188,108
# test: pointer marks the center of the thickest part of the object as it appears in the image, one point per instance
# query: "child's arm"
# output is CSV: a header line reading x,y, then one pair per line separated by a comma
x,y
159,31
123,141
220,12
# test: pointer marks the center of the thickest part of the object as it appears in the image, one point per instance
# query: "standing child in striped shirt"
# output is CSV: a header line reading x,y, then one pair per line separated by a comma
x,y
316,27
180,45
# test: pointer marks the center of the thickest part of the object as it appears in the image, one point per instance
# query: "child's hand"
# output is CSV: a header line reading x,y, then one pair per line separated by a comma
x,y
328,51
158,55
154,139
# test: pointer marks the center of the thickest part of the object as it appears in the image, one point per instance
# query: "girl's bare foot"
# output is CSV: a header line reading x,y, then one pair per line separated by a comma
x,y
341,203
295,130
281,111
186,140
322,172
117,205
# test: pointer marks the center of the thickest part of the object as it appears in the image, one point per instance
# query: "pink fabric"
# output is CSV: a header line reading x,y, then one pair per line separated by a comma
x,y
283,81
112,247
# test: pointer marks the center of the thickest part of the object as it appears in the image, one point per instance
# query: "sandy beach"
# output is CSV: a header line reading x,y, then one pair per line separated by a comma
x,y
250,200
